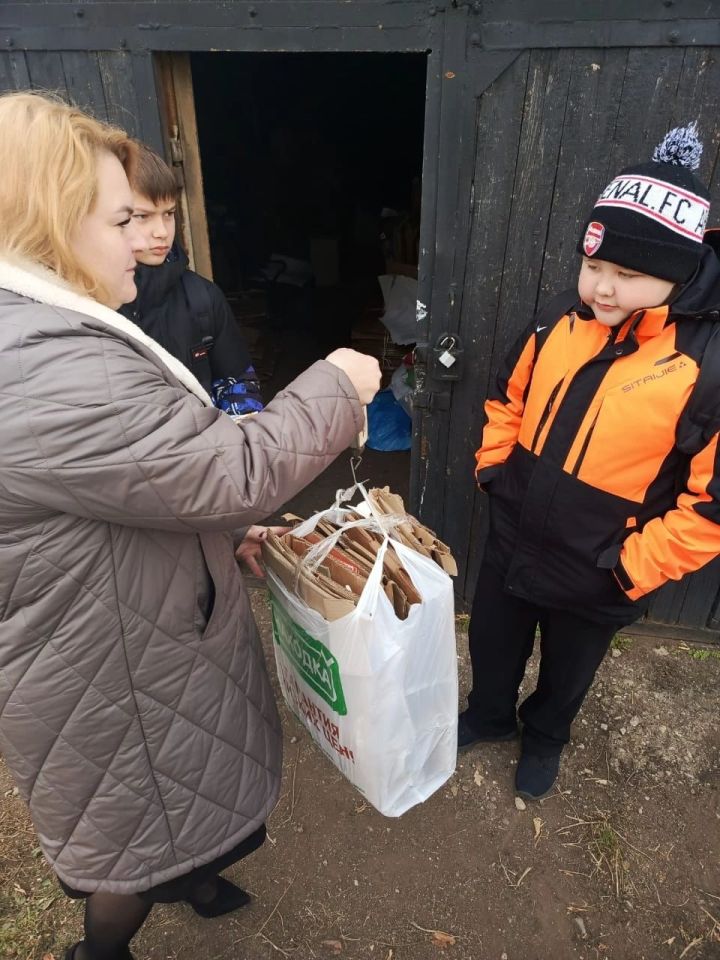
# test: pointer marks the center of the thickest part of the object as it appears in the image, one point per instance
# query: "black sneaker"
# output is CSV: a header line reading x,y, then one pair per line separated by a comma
x,y
468,735
536,776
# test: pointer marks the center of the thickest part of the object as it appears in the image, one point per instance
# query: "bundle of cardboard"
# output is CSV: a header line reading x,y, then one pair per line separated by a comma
x,y
333,587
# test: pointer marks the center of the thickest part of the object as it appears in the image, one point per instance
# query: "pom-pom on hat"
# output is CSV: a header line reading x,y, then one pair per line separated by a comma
x,y
651,217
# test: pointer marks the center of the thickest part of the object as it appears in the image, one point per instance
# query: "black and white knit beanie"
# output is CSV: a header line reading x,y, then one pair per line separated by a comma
x,y
651,218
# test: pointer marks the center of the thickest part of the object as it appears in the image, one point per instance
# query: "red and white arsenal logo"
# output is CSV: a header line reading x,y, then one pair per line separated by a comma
x,y
593,237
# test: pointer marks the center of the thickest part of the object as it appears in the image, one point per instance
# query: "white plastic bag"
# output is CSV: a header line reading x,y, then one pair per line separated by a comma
x,y
378,694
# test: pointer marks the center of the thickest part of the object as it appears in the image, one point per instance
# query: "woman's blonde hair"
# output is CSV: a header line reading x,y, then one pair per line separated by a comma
x,y
48,180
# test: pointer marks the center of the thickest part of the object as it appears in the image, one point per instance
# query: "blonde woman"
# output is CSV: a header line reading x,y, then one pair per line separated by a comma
x,y
135,711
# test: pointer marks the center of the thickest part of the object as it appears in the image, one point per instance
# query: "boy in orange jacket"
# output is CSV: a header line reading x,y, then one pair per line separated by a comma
x,y
599,457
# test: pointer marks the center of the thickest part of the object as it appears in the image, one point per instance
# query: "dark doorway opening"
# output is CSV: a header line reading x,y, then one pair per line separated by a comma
x,y
312,169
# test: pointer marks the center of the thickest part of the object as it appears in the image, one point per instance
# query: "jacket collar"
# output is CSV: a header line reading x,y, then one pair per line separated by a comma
x,y
700,296
643,324
36,282
154,284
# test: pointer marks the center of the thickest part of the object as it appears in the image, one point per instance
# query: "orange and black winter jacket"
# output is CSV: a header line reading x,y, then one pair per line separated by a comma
x,y
597,497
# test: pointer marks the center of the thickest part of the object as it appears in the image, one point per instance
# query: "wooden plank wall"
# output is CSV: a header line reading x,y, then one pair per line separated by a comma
x,y
551,132
112,85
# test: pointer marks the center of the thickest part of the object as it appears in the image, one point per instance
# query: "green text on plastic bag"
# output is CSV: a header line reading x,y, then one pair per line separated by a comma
x,y
312,659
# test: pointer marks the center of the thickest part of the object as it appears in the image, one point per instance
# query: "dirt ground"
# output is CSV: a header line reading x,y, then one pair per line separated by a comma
x,y
621,862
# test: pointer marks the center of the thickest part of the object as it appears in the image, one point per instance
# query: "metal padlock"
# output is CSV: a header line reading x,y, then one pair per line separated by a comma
x,y
446,358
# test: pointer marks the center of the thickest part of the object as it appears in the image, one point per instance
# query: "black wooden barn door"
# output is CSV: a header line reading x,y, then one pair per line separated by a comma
x,y
532,136
112,85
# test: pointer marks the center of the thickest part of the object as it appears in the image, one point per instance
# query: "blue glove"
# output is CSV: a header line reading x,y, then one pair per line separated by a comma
x,y
238,396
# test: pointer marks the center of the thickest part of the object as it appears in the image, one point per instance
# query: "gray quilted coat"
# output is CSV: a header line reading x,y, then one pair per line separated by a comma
x,y
135,710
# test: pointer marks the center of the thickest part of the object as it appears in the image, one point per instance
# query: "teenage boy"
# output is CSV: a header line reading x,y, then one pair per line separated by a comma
x,y
182,311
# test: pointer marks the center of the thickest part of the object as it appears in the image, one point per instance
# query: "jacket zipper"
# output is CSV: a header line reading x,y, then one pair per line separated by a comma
x,y
546,413
612,336
586,444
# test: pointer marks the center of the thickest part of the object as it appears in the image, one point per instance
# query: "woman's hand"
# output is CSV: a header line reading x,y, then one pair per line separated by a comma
x,y
250,550
362,370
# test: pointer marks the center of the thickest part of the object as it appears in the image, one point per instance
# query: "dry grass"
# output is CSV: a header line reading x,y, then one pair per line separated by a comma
x,y
623,866
607,853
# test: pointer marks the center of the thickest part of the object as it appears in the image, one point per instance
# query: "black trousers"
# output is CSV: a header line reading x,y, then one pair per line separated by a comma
x,y
502,635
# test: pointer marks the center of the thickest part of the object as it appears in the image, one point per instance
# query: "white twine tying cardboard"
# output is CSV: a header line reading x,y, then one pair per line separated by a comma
x,y
382,523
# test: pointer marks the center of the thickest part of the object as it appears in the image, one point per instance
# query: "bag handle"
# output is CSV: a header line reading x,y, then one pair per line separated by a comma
x,y
368,597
